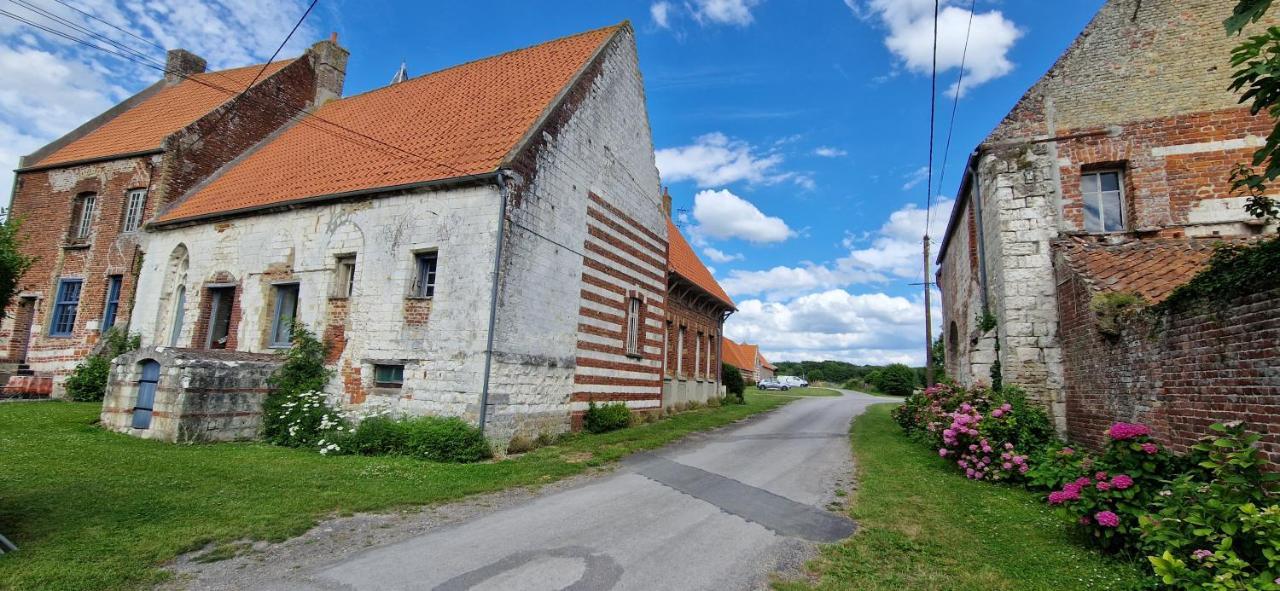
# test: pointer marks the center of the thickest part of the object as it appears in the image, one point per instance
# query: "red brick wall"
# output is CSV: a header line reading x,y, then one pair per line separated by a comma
x,y
699,320
1178,374
1161,190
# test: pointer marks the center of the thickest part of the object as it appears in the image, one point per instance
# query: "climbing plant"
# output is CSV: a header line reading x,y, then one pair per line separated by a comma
x,y
1233,271
1257,78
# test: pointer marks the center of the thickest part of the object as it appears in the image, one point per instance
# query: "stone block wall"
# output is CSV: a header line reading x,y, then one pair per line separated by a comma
x,y
201,396
1178,373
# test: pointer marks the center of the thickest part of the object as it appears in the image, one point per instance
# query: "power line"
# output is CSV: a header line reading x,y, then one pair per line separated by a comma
x,y
121,29
946,151
280,101
236,99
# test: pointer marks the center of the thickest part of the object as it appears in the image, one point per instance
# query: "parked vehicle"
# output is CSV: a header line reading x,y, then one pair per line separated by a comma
x,y
792,381
772,385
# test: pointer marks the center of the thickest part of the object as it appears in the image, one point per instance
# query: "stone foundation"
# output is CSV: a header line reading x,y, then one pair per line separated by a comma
x,y
201,395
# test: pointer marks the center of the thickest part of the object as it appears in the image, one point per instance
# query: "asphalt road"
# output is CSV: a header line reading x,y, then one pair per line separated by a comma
x,y
721,511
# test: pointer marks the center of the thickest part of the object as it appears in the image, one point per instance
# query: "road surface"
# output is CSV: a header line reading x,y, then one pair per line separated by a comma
x,y
719,511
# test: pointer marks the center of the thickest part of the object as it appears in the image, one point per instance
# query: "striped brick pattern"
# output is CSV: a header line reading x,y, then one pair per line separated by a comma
x,y
623,260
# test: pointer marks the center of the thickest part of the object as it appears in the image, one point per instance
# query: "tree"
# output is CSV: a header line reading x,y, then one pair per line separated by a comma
x,y
13,264
1257,78
897,380
733,383
939,352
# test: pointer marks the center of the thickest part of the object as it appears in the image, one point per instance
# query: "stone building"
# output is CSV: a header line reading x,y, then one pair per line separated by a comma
x,y
764,369
85,198
696,310
1127,142
486,241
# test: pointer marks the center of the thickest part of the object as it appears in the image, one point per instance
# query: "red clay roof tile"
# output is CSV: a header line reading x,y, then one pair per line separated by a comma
x,y
739,355
170,109
456,122
1151,268
682,261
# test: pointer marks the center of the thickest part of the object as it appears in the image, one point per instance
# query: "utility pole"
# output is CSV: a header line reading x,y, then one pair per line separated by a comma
x,y
928,317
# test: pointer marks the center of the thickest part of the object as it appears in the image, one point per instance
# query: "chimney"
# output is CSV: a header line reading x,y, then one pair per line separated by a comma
x,y
666,202
330,62
181,63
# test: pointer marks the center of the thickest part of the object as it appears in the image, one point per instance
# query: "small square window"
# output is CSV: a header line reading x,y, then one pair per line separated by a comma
x,y
388,375
344,276
424,281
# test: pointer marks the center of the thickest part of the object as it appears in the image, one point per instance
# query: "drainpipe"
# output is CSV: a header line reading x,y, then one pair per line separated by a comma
x,y
493,295
976,198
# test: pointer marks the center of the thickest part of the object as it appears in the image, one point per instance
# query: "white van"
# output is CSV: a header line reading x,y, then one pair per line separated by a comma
x,y
792,381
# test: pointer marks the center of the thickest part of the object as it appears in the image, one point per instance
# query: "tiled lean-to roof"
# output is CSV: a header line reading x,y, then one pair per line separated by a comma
x,y
144,126
682,261
1151,268
456,122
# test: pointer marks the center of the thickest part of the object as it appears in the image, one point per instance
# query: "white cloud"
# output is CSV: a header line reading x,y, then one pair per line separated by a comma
x,y
716,160
721,214
724,12
910,38
719,256
829,152
894,253
52,85
871,328
661,14
916,177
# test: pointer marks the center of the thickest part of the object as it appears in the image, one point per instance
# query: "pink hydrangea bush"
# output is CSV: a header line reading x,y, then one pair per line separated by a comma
x,y
976,454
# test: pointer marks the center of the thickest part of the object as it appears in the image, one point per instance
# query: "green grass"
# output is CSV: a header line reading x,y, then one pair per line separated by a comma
x,y
90,509
794,392
923,527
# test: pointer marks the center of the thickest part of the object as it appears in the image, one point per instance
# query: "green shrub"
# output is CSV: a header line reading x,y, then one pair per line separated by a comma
x,y
896,380
606,417
295,412
88,383
437,439
733,384
1056,465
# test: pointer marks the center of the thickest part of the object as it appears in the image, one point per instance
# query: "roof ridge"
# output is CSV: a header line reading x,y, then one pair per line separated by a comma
x,y
415,79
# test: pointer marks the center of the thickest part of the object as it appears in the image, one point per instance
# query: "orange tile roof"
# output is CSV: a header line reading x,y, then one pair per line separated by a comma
x,y
739,355
1151,268
170,109
456,122
682,261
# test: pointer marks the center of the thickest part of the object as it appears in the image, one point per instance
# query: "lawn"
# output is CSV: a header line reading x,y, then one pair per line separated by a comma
x,y
90,509
794,392
923,527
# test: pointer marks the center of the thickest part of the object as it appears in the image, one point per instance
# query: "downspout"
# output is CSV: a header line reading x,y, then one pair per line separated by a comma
x,y
501,179
976,198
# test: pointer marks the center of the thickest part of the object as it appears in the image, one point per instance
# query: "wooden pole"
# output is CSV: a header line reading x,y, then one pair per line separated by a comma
x,y
928,318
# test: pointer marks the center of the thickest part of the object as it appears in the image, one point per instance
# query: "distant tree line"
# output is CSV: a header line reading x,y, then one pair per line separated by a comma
x,y
835,372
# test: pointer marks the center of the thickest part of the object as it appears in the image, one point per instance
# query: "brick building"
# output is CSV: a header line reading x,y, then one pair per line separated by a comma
x,y
498,251
85,198
1125,146
748,360
696,310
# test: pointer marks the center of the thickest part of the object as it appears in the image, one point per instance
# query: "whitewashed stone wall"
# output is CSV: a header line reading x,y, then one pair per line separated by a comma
x,y
444,361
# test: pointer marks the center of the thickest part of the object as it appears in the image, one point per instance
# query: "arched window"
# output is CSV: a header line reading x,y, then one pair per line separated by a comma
x,y
86,206
170,311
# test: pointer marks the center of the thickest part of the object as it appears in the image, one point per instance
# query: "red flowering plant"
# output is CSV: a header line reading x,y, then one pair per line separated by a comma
x,y
975,441
924,414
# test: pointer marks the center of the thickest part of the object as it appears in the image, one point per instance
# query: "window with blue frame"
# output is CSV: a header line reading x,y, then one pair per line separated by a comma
x,y
113,301
65,307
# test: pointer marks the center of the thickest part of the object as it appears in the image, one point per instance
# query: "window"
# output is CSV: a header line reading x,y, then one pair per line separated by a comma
x,y
285,313
1103,201
388,376
113,301
179,314
65,307
697,356
680,352
82,223
135,202
344,276
222,300
424,282
635,323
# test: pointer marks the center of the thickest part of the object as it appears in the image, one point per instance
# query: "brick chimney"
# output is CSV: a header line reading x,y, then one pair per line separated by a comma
x,y
666,201
330,61
181,63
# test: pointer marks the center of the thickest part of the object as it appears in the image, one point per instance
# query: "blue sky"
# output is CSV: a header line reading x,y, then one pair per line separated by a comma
x,y
792,133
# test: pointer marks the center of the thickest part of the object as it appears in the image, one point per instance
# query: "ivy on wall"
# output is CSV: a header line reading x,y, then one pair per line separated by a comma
x,y
1233,271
